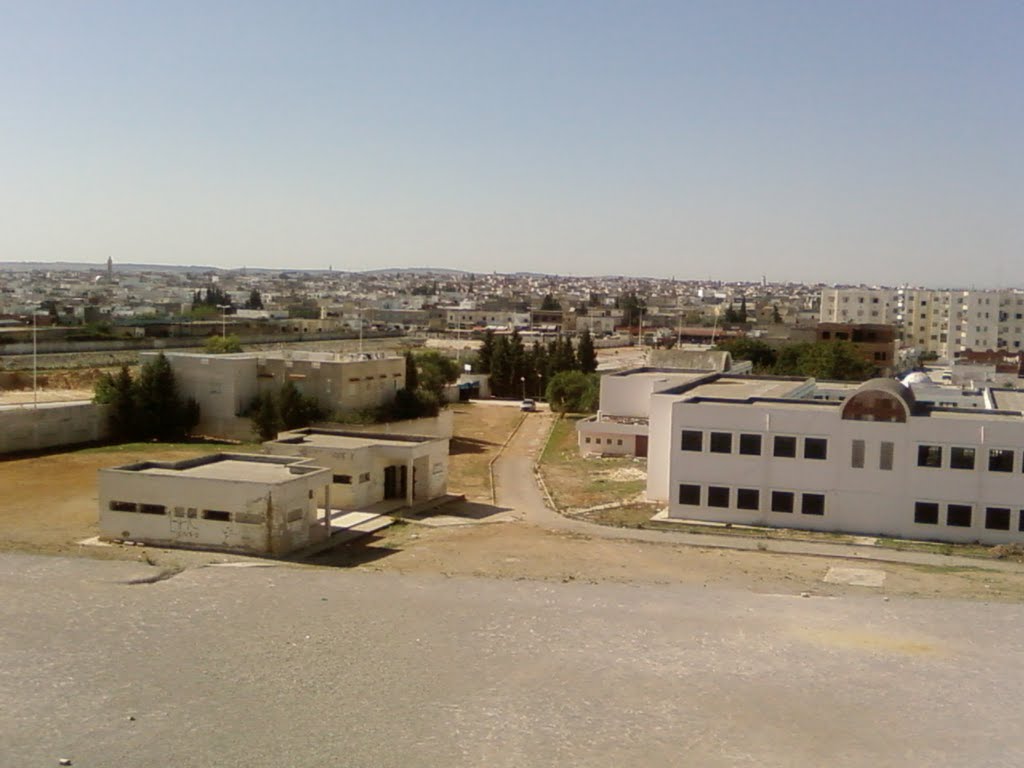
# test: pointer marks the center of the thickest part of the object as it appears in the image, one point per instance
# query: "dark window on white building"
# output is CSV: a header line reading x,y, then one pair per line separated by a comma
x,y
692,440
815,448
750,445
997,518
718,496
926,513
785,447
1000,460
958,515
929,455
961,458
748,498
689,494
812,504
721,442
782,501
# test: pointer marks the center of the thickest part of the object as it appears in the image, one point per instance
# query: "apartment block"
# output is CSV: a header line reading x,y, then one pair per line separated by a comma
x,y
943,322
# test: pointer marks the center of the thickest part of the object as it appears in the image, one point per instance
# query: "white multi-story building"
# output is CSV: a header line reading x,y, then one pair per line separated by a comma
x,y
943,322
872,459
858,305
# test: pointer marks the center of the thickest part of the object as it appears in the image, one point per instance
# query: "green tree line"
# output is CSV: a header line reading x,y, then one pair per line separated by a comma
x,y
824,360
517,370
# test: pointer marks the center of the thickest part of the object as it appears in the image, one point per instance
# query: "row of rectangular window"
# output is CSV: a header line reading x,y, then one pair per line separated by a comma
x,y
749,444
721,496
960,516
961,457
160,509
785,446
597,440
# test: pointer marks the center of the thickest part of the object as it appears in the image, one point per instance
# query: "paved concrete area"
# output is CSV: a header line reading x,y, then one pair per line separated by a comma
x,y
294,666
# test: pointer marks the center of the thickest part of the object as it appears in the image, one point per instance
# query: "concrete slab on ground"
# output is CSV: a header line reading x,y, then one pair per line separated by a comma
x,y
857,577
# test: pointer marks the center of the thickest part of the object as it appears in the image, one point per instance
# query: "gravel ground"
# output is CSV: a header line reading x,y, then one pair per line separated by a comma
x,y
297,666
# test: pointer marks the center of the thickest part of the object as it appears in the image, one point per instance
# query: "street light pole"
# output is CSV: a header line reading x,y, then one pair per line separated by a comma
x,y
223,319
523,379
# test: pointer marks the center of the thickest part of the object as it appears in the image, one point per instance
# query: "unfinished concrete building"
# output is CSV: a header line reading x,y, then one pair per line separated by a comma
x,y
254,504
225,386
368,468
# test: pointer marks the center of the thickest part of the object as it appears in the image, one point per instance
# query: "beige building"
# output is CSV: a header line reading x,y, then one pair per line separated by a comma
x,y
942,322
368,468
264,505
225,386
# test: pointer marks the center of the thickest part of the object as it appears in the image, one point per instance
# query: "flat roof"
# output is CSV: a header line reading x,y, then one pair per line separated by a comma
x,y
254,468
1008,399
348,440
745,388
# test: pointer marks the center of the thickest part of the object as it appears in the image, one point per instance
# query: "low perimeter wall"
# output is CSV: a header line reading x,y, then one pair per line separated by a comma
x,y
51,425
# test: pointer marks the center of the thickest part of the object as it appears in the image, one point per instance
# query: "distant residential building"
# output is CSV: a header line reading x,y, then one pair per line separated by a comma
x,y
876,344
945,323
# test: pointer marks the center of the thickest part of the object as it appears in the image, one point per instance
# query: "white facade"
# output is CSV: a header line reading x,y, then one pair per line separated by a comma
x,y
367,468
858,305
468,319
621,424
875,463
264,505
943,322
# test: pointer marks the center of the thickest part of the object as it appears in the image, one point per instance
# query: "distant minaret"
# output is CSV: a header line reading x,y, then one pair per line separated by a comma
x,y
110,269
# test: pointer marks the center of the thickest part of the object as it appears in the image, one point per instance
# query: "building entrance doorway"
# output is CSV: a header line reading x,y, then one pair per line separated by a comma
x,y
396,479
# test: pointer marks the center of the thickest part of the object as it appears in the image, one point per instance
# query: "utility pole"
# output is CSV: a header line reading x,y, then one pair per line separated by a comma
x,y
35,363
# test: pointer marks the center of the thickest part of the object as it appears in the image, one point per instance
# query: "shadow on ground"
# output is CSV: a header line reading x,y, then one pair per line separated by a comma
x,y
352,554
461,445
471,510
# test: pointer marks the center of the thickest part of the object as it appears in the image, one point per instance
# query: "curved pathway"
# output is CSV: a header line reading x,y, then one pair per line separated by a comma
x,y
516,489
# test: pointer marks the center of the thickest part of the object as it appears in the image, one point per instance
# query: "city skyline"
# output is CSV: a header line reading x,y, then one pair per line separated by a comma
x,y
832,143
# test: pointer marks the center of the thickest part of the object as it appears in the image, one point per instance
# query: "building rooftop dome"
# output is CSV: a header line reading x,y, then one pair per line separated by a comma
x,y
880,400
917,377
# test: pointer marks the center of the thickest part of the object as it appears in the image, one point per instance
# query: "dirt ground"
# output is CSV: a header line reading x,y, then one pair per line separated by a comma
x,y
576,482
480,431
520,551
49,501
49,504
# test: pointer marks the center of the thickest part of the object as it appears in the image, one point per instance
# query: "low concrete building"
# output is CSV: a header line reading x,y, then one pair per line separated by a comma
x,y
367,468
262,505
224,386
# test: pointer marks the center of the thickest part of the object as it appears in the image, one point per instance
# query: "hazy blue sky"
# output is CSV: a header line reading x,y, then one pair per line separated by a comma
x,y
857,141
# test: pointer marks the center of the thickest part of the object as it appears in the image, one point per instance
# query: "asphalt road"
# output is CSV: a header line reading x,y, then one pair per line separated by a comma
x,y
288,666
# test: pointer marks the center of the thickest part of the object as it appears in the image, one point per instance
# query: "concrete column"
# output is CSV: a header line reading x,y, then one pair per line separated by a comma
x,y
408,483
327,508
